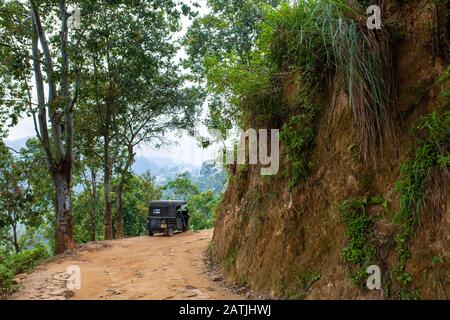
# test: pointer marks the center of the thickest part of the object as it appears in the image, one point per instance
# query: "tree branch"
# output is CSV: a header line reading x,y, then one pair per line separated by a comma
x,y
68,105
40,93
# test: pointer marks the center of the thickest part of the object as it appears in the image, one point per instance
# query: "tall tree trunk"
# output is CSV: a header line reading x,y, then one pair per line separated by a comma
x,y
94,201
108,116
119,210
15,239
94,226
107,188
63,213
59,155
119,192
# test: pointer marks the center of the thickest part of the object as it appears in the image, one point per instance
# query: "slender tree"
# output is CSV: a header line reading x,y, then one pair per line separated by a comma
x,y
26,37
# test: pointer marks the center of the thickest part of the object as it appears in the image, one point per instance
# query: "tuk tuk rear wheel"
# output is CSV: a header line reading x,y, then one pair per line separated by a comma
x,y
150,234
170,232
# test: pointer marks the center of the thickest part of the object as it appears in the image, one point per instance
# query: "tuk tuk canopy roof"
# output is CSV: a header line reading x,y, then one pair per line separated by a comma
x,y
169,203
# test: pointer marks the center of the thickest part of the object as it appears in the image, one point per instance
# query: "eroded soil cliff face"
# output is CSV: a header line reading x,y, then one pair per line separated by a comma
x,y
289,241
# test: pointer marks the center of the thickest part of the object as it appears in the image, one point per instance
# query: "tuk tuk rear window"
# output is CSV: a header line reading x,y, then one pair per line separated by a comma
x,y
159,211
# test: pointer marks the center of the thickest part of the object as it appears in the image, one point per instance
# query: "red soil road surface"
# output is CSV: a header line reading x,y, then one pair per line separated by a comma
x,y
156,267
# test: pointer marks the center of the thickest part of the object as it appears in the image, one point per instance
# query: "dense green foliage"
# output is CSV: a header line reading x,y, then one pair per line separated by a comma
x,y
19,197
202,205
138,193
12,264
297,45
182,188
432,152
360,251
298,137
202,208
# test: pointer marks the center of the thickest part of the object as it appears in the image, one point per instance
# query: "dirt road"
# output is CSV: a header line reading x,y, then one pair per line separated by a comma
x,y
156,267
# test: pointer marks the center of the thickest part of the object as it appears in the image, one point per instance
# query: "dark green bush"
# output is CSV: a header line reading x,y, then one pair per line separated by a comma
x,y
12,264
298,137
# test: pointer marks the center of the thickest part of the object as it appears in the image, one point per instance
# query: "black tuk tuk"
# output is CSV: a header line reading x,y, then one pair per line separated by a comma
x,y
167,216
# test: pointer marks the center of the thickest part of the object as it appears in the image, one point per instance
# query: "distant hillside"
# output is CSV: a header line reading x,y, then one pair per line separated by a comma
x,y
164,169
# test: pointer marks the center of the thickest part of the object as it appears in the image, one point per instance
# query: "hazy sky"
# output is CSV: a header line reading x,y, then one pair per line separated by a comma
x,y
183,148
